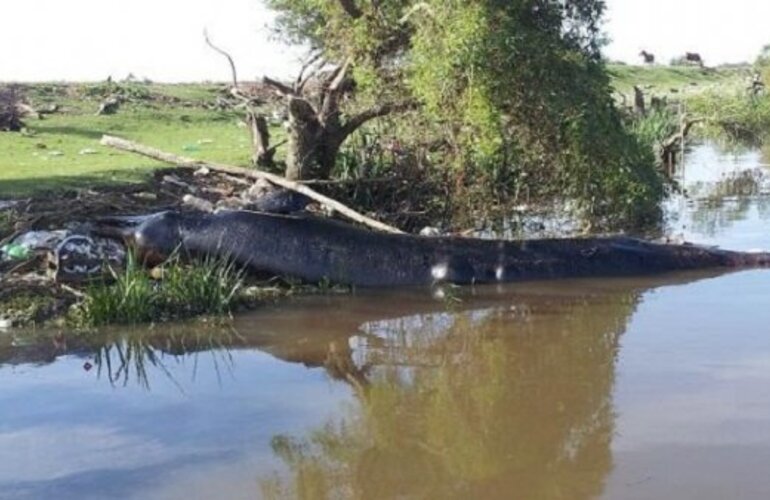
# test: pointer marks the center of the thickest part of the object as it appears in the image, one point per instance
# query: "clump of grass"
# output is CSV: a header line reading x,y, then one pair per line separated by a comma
x,y
205,286
655,127
210,286
131,298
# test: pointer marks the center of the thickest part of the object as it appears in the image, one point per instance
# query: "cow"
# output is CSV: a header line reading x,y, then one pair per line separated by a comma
x,y
648,58
694,57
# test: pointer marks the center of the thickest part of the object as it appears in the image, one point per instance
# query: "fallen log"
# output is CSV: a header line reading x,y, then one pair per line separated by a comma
x,y
133,147
316,249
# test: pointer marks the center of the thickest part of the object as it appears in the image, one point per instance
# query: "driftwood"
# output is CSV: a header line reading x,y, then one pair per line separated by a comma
x,y
132,147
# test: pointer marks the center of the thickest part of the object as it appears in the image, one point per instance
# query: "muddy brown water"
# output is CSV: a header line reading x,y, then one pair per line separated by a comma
x,y
618,389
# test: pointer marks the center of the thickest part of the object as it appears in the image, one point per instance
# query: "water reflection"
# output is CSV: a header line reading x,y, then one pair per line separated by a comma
x,y
504,392
499,402
727,201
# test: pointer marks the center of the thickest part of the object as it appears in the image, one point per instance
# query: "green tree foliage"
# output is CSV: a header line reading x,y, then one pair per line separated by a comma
x,y
516,88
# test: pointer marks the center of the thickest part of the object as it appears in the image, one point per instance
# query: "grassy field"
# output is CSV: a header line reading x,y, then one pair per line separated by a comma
x,y
667,80
63,151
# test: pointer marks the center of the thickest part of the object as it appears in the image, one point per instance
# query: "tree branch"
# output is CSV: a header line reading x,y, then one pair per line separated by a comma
x,y
279,87
301,81
224,53
331,94
354,122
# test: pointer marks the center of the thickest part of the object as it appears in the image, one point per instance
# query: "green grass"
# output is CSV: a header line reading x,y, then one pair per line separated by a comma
x,y
207,286
662,80
718,97
54,153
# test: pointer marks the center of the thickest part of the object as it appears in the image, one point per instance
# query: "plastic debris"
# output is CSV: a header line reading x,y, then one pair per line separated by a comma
x,y
24,245
79,257
13,251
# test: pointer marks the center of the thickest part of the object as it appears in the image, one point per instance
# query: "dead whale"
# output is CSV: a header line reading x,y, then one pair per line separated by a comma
x,y
314,249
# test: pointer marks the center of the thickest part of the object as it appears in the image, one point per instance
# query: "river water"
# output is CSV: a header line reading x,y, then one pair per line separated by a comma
x,y
618,389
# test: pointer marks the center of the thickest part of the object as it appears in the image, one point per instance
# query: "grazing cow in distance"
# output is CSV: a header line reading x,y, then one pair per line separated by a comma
x,y
694,57
648,58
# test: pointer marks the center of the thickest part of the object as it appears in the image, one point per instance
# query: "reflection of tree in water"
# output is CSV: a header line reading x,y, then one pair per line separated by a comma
x,y
512,403
712,217
716,206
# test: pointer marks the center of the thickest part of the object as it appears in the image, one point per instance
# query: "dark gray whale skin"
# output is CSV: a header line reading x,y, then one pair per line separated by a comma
x,y
315,249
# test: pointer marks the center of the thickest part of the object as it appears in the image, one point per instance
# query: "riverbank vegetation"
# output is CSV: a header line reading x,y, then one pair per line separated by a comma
x,y
537,127
453,174
455,115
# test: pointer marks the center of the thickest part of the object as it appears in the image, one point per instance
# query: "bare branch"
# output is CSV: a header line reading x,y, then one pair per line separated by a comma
x,y
354,122
279,87
224,53
331,94
299,83
311,74
340,76
350,7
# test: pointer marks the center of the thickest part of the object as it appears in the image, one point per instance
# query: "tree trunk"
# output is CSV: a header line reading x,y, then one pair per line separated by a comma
x,y
313,146
304,136
263,154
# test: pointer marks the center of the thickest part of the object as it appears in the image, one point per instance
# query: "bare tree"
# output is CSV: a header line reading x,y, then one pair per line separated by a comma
x,y
317,126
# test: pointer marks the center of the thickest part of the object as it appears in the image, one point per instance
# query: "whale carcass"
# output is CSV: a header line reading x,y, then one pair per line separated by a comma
x,y
314,249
